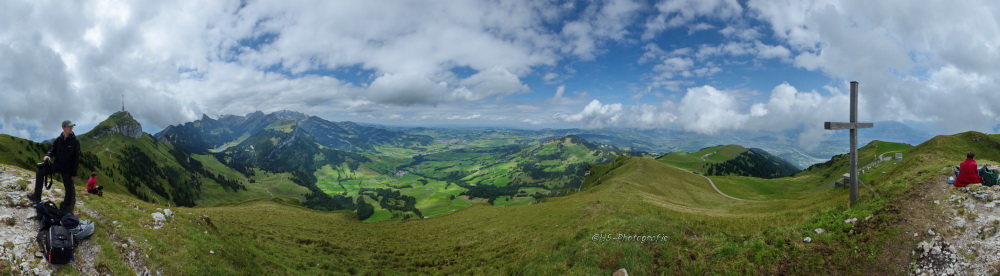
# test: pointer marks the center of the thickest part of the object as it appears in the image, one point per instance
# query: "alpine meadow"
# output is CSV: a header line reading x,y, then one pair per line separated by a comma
x,y
493,137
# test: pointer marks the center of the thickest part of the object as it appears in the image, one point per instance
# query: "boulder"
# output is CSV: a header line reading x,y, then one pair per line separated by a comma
x,y
159,217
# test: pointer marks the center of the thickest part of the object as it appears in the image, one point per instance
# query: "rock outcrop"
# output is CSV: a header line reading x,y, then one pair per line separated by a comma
x,y
118,123
967,244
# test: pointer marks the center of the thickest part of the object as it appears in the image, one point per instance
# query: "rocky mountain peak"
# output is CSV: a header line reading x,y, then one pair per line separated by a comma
x,y
118,123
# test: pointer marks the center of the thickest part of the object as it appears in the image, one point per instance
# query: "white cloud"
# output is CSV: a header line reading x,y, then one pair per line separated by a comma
x,y
925,61
708,110
677,13
607,22
408,89
595,115
493,82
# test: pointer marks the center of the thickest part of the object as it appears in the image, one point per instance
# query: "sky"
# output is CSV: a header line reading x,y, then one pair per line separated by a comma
x,y
705,66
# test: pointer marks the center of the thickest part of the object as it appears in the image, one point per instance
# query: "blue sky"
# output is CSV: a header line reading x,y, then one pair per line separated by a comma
x,y
705,66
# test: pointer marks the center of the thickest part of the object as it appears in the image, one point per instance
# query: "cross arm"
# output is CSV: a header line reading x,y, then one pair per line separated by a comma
x,y
836,125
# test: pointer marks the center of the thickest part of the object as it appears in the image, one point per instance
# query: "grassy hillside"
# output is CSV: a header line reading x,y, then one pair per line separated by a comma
x,y
22,153
699,231
636,213
731,160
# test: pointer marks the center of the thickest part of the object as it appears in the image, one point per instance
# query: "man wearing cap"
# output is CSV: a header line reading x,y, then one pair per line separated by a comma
x,y
66,150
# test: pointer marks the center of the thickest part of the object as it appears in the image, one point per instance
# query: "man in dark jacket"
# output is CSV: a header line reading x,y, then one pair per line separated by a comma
x,y
66,150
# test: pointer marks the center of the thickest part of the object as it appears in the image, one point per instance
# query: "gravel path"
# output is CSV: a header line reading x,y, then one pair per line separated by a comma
x,y
19,253
717,189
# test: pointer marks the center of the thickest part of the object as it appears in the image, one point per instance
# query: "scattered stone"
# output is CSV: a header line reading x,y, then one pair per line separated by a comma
x,y
159,217
930,232
987,232
211,252
819,230
807,240
851,220
168,213
937,202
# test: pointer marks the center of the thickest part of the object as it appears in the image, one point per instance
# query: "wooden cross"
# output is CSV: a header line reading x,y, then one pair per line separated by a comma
x,y
853,126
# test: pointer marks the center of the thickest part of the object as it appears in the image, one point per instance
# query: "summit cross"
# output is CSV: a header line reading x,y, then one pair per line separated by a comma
x,y
853,125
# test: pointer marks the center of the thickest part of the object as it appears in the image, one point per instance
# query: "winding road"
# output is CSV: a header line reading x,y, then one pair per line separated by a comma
x,y
717,189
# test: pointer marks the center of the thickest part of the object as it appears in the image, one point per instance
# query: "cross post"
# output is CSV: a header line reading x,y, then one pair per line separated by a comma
x,y
853,125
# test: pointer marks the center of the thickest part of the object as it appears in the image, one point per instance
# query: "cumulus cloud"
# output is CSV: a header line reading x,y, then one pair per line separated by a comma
x,y
708,110
924,61
595,115
674,14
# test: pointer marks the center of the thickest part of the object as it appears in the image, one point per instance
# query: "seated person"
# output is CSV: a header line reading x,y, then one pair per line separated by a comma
x,y
92,185
968,172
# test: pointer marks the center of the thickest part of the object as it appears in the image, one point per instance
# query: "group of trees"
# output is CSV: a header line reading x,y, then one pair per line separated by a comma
x,y
755,163
392,200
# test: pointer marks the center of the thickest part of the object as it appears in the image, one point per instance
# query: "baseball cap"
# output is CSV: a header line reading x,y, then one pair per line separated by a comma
x,y
67,123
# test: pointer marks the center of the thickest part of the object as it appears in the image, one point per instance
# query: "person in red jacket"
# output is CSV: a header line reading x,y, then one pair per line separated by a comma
x,y
92,187
968,171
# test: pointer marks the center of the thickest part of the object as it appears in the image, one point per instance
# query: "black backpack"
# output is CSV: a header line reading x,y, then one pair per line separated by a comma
x,y
48,214
57,243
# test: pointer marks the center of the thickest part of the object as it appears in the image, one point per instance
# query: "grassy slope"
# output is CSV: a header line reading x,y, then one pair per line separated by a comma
x,y
21,152
643,197
693,161
634,196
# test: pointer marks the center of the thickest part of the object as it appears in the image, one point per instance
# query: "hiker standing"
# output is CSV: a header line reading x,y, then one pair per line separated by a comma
x,y
66,150
967,171
92,185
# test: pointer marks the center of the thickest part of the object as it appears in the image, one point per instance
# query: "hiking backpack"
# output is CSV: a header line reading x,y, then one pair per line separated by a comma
x,y
48,214
988,176
57,243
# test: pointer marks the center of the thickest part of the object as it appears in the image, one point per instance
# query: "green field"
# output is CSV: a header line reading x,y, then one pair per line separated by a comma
x,y
634,213
694,161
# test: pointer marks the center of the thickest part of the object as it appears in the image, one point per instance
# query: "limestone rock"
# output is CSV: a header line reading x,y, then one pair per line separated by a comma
x,y
807,239
159,217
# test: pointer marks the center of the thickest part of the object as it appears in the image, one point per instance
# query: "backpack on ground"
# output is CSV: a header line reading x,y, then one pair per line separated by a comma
x,y
57,243
987,176
48,214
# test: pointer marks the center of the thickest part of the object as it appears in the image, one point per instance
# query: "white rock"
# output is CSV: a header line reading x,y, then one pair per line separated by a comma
x,y
930,232
807,239
158,217
935,250
938,202
211,252
851,220
924,246
819,230
168,213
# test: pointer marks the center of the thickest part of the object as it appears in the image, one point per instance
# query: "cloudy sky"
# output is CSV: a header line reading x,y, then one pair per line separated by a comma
x,y
698,65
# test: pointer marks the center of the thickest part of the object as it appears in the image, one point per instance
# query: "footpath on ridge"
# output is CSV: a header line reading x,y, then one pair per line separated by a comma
x,y
717,189
962,238
18,228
